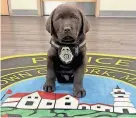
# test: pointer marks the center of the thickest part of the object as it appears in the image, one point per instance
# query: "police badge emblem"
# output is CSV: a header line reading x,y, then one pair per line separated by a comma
x,y
66,55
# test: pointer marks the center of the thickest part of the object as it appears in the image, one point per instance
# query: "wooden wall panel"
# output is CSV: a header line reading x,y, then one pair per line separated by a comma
x,y
4,7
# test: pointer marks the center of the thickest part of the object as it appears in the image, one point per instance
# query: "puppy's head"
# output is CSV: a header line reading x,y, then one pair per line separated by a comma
x,y
67,23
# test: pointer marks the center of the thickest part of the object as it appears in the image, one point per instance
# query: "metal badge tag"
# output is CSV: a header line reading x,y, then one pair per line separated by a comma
x,y
66,55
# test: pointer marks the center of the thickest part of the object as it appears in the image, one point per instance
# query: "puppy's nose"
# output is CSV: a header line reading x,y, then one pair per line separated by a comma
x,y
67,29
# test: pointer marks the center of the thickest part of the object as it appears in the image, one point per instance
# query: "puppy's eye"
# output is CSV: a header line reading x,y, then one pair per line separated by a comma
x,y
62,17
74,17
57,18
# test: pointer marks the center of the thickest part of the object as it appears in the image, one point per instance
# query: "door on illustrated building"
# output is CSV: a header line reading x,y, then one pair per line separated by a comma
x,y
83,107
4,7
125,111
87,7
107,110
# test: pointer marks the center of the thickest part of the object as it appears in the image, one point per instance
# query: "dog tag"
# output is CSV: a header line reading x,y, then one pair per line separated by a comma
x,y
66,77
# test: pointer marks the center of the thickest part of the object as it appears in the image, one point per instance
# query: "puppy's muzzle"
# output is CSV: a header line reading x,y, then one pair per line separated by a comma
x,y
68,39
68,35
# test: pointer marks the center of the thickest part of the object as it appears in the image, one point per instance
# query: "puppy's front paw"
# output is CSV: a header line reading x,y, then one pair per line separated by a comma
x,y
79,93
48,88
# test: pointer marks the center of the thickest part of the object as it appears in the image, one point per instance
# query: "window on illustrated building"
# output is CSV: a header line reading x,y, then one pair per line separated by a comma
x,y
49,103
83,107
29,96
29,103
67,98
125,111
121,96
119,92
107,110
67,103
98,106
36,97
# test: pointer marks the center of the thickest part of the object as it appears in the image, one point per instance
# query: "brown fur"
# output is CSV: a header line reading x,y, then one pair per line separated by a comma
x,y
67,20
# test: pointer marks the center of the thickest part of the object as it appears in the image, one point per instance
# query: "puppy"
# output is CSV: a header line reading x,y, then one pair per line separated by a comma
x,y
66,60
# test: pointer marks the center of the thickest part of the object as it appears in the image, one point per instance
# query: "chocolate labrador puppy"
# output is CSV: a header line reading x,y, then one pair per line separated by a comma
x,y
67,55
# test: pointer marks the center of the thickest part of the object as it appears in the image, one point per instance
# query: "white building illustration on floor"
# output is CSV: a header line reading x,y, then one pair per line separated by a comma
x,y
102,107
84,106
41,100
45,100
122,103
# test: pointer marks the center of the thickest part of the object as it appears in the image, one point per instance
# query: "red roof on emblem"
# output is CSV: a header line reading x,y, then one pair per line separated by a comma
x,y
46,95
19,95
52,96
42,94
60,95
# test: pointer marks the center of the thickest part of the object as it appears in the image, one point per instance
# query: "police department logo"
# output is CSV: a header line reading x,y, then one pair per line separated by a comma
x,y
66,55
110,83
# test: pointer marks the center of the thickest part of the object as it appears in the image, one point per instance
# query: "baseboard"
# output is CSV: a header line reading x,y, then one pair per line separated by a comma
x,y
104,13
18,12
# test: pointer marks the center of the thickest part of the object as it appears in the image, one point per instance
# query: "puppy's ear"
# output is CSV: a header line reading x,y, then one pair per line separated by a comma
x,y
85,25
49,23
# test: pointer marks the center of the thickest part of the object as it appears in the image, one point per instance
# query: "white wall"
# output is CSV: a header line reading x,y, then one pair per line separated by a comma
x,y
50,6
118,5
24,4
